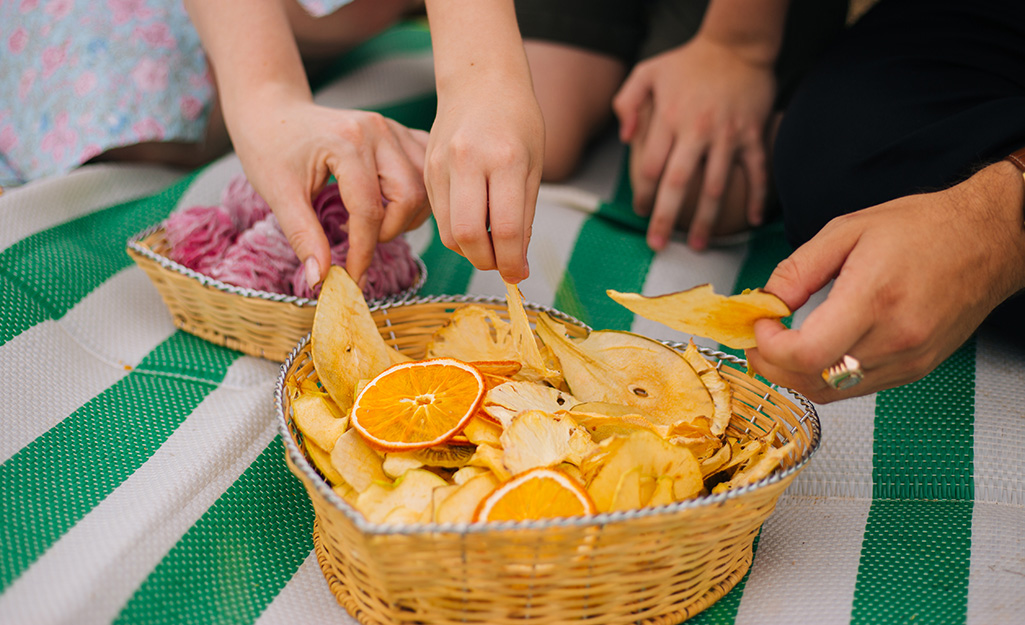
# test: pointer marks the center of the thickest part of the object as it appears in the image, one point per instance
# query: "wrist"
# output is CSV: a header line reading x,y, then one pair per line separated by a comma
x,y
999,194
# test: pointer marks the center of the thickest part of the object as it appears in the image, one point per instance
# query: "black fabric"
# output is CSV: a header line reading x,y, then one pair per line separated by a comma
x,y
640,29
915,97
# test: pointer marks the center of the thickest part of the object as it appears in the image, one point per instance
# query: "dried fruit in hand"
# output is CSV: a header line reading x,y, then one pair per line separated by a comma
x,y
700,311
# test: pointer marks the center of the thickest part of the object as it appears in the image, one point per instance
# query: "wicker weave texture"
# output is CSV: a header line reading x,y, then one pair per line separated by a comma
x,y
656,566
266,325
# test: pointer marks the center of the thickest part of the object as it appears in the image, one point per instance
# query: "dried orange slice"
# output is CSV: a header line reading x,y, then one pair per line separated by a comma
x,y
417,404
540,493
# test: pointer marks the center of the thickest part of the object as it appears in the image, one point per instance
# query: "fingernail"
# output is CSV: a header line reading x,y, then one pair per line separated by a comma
x,y
526,270
312,269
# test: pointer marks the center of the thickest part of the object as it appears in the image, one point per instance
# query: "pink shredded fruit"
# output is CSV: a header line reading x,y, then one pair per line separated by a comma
x,y
332,214
241,242
260,259
199,235
392,270
243,203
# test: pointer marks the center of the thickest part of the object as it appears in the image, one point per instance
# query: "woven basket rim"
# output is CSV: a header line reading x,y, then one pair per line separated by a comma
x,y
317,482
302,464
135,244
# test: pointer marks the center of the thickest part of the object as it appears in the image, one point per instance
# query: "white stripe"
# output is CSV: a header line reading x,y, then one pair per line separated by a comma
x,y
556,228
46,203
55,367
102,560
306,599
997,569
806,564
382,83
999,435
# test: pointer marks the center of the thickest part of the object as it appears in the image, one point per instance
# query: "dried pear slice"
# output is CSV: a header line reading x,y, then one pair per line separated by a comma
x,y
718,388
630,369
345,343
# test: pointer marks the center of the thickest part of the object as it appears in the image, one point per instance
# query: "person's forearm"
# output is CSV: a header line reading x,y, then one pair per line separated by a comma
x,y
251,47
753,27
474,38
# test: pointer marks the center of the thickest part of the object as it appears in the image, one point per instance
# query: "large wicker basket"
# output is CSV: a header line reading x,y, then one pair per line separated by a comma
x,y
654,565
257,323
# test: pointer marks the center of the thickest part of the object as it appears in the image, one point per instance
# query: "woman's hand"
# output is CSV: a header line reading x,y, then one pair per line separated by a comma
x,y
484,162
914,278
688,115
289,147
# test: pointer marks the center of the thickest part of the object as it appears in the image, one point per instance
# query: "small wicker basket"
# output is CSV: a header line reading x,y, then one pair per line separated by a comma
x,y
257,323
654,565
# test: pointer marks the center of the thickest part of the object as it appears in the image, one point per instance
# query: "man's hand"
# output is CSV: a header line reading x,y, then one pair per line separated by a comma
x,y
914,278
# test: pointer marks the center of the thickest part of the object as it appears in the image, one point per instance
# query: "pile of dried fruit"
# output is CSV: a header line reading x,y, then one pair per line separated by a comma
x,y
497,423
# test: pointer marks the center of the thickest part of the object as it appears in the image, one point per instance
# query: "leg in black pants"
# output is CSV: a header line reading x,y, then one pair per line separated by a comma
x,y
917,96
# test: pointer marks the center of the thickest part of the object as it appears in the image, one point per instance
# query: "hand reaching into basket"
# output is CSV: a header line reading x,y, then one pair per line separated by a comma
x,y
290,147
914,278
486,148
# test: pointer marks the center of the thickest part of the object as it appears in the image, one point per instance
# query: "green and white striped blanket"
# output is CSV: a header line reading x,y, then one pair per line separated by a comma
x,y
142,479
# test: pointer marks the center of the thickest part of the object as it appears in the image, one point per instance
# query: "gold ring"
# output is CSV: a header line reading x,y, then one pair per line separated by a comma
x,y
844,374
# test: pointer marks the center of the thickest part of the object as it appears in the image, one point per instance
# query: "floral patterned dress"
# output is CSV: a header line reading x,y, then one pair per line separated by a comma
x,y
79,77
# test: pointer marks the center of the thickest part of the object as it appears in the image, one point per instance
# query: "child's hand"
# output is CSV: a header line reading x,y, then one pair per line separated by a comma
x,y
289,147
688,114
483,171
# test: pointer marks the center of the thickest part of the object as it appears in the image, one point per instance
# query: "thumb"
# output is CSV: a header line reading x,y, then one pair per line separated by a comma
x,y
628,101
299,222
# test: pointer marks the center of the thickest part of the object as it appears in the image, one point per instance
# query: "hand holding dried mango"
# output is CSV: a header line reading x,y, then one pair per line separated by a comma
x,y
914,278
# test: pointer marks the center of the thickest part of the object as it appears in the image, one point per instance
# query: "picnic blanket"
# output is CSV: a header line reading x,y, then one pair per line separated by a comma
x,y
143,480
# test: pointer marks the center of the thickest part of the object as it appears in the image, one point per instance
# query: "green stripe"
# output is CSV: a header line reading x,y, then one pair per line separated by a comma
x,y
448,273
416,112
610,253
605,256
724,611
404,39
237,557
46,274
50,484
916,550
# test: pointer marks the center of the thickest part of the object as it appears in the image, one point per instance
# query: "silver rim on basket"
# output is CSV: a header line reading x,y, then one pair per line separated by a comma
x,y
809,418
135,244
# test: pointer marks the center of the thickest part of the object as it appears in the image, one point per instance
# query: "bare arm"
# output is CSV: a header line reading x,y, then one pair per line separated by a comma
x,y
289,146
486,148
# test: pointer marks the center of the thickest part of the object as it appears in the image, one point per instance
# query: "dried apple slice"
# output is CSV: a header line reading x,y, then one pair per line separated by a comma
x,y
503,402
652,456
473,333
535,366
700,311
537,439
